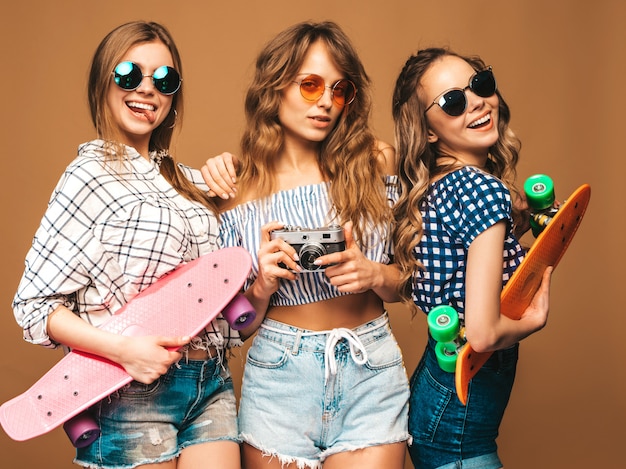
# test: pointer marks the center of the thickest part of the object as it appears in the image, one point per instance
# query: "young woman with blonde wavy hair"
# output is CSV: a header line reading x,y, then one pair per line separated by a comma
x,y
122,216
456,242
324,382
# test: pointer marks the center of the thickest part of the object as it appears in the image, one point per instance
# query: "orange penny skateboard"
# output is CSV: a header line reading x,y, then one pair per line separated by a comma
x,y
518,293
181,303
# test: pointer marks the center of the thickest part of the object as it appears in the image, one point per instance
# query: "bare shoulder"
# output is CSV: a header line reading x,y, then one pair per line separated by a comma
x,y
386,155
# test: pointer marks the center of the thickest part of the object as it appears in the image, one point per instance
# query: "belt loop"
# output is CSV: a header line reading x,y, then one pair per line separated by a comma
x,y
296,343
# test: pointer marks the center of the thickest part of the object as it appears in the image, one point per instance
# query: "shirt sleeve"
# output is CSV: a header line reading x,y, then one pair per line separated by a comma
x,y
473,203
53,271
195,176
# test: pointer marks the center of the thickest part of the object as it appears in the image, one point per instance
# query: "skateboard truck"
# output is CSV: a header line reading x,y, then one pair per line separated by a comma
x,y
539,190
449,334
82,429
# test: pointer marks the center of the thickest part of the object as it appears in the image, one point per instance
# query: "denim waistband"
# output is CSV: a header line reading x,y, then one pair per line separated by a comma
x,y
327,341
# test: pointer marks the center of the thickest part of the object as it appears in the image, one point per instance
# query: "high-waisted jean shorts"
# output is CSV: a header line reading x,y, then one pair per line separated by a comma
x,y
192,403
308,394
448,435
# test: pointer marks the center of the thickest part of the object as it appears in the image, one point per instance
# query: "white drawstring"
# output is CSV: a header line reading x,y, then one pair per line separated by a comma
x,y
356,348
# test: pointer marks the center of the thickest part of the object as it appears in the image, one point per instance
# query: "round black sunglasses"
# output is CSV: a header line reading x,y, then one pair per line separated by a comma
x,y
454,102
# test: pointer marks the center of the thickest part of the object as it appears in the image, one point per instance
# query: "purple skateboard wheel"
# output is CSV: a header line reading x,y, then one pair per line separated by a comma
x,y
239,313
82,429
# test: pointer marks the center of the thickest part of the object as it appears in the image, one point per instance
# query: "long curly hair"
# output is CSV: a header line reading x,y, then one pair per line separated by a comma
x,y
418,159
107,55
347,157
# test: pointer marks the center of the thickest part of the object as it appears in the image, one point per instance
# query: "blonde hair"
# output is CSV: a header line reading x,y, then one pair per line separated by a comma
x,y
348,157
418,159
107,55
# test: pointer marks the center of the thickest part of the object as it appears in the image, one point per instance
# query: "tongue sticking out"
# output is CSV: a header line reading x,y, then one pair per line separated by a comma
x,y
143,111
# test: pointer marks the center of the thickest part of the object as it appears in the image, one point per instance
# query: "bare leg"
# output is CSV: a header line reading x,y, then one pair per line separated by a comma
x,y
163,465
388,456
213,455
254,459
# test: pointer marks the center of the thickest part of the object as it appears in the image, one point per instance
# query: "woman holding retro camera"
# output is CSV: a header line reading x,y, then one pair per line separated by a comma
x,y
324,383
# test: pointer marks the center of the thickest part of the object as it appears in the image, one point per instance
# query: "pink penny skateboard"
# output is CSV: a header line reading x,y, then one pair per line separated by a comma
x,y
181,303
519,291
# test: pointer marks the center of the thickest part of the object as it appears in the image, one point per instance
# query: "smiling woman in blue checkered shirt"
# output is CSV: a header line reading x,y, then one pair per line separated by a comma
x,y
456,244
123,215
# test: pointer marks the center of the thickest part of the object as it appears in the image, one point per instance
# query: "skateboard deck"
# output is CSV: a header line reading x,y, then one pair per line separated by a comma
x,y
547,250
181,303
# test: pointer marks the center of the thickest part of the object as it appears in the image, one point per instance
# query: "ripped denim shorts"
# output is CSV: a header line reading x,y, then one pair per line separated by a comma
x,y
309,394
192,403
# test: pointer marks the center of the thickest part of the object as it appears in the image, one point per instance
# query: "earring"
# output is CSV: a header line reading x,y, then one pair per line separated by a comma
x,y
175,119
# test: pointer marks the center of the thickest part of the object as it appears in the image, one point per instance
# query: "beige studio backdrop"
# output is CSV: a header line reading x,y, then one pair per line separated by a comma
x,y
561,66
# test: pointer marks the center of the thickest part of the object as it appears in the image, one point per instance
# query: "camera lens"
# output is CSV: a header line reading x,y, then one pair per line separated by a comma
x,y
309,253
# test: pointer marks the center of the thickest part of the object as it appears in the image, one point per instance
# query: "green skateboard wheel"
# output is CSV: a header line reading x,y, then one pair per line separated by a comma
x,y
446,356
443,323
539,190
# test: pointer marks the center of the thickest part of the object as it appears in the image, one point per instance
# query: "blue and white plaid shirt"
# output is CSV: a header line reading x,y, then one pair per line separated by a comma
x,y
110,230
456,209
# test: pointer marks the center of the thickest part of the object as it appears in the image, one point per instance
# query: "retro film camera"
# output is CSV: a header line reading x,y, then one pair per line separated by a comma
x,y
312,243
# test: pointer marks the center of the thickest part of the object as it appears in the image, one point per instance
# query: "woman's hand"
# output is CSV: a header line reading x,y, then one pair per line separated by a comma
x,y
145,358
277,260
149,357
352,272
536,315
219,173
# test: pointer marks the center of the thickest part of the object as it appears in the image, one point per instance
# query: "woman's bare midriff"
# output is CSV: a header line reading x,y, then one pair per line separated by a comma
x,y
347,311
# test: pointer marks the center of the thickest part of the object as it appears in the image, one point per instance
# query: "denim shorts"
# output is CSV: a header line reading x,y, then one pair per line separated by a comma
x,y
192,403
448,435
309,394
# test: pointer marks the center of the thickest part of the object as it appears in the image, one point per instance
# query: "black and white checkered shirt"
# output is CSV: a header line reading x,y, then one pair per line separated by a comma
x,y
110,230
456,209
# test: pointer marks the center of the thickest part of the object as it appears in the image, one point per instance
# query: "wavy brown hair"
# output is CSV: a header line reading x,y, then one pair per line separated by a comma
x,y
418,159
107,55
348,157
